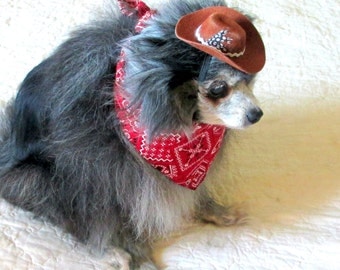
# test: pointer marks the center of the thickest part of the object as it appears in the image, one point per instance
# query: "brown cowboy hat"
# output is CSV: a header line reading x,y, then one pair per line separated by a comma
x,y
225,34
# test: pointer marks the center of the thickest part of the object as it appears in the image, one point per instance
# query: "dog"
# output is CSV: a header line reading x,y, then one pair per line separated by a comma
x,y
82,142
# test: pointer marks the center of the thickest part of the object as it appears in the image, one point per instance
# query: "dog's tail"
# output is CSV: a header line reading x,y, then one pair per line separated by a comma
x,y
7,160
21,181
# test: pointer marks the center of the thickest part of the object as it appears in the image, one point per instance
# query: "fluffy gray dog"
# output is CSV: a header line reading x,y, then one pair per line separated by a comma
x,y
137,80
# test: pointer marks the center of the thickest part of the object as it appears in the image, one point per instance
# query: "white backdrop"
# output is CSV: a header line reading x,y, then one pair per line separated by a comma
x,y
285,170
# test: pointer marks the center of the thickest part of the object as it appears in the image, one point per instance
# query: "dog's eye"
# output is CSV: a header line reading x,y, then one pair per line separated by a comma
x,y
218,89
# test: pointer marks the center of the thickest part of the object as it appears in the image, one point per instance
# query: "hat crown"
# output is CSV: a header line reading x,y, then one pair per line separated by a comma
x,y
226,34
222,33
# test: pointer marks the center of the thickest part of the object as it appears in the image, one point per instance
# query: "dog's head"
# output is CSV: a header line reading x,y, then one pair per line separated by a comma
x,y
225,98
177,83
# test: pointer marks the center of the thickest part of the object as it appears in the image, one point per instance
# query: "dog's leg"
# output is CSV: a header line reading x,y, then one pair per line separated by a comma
x,y
139,252
213,212
210,211
140,256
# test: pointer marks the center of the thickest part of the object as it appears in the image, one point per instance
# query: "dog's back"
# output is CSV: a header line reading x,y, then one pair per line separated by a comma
x,y
64,104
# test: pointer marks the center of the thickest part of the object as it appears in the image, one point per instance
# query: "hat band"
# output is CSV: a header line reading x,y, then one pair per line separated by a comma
x,y
217,42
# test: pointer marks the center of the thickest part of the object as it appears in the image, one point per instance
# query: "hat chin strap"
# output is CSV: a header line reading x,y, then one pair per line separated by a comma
x,y
204,69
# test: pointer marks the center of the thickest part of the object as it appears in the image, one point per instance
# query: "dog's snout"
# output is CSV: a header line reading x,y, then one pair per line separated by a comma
x,y
254,115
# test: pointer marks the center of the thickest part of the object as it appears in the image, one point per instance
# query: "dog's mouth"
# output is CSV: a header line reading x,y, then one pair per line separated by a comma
x,y
233,120
196,116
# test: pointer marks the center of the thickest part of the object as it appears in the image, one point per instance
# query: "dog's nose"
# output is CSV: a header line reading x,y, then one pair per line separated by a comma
x,y
254,115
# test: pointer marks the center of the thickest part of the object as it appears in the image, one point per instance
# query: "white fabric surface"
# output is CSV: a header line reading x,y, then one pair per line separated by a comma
x,y
285,170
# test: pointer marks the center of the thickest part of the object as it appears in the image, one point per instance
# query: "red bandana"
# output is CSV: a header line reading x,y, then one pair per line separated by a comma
x,y
182,159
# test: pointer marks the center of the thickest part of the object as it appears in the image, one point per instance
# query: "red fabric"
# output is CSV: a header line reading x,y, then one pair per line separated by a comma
x,y
130,7
182,159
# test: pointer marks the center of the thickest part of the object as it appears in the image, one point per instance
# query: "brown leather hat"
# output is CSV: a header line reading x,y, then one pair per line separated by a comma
x,y
225,34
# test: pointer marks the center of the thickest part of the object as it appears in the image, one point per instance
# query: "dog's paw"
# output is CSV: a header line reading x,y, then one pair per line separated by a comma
x,y
224,216
148,266
114,258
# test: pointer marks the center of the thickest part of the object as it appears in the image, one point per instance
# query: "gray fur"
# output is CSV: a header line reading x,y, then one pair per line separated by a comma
x,y
62,152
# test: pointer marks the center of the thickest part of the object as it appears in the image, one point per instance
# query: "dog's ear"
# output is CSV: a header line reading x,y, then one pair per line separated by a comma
x,y
169,109
166,99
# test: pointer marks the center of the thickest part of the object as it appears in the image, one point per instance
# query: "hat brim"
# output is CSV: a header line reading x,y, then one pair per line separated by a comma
x,y
253,59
